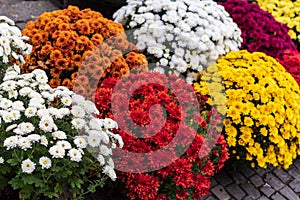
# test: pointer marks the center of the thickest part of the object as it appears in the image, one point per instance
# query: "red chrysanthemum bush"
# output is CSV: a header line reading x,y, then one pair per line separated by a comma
x,y
71,40
145,129
291,62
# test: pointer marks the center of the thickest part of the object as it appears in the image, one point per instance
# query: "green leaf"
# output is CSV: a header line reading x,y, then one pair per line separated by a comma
x,y
16,183
12,162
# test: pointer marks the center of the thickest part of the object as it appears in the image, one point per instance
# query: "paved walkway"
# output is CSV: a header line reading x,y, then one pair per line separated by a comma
x,y
243,183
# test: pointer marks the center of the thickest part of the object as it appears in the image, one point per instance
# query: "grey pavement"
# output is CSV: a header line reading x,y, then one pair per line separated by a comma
x,y
243,183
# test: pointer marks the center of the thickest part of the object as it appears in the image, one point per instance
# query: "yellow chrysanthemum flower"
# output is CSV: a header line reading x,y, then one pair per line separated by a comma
x,y
263,114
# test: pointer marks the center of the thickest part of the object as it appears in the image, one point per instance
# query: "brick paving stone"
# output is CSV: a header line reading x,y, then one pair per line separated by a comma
x,y
297,163
235,191
289,193
220,192
251,190
262,172
278,196
248,198
247,171
267,190
209,198
274,182
294,172
238,177
263,198
256,180
223,178
283,175
213,182
295,185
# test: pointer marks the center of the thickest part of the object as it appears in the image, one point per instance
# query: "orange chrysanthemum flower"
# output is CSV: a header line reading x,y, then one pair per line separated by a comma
x,y
79,46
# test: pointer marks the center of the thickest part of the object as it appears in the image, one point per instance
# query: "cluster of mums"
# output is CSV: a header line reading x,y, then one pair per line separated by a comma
x,y
155,100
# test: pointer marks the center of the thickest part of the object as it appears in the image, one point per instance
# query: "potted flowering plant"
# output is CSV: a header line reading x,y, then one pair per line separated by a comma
x,y
286,12
12,45
52,146
261,32
262,117
181,37
145,131
62,39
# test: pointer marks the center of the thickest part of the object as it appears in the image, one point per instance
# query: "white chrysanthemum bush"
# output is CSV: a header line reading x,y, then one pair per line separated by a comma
x,y
181,37
52,145
13,45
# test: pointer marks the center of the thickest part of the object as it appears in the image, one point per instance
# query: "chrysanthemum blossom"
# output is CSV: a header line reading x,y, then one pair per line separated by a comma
x,y
28,166
261,32
262,117
182,36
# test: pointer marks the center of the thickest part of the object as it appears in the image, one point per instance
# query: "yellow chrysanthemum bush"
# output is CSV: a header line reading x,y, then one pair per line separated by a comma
x,y
286,12
262,123
71,40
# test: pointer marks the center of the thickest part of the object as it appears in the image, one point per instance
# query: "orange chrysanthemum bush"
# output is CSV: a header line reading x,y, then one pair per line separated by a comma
x,y
69,39
262,123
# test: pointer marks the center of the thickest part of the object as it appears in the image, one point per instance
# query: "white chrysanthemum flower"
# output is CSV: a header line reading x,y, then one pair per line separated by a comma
x,y
110,123
24,143
111,163
94,140
104,150
46,87
64,111
30,112
8,85
13,94
77,99
11,142
5,103
11,127
78,123
25,91
10,74
44,140
6,116
18,131
59,135
43,112
26,127
34,138
57,151
75,155
64,144
95,123
15,115
101,159
55,112
67,101
47,124
78,111
7,20
47,95
41,78
36,102
45,162
18,105
80,142
109,171
27,166
90,107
